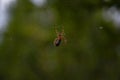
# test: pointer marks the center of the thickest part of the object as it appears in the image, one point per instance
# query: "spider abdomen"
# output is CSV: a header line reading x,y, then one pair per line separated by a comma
x,y
57,42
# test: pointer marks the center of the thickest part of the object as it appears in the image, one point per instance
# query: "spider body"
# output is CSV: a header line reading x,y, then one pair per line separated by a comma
x,y
57,42
60,37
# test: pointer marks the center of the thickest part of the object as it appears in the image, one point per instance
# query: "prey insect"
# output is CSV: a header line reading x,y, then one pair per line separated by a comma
x,y
60,37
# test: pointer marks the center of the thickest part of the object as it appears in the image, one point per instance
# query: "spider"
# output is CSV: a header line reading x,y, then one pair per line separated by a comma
x,y
60,37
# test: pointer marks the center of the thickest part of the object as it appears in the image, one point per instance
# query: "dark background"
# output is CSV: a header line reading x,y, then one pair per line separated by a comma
x,y
92,51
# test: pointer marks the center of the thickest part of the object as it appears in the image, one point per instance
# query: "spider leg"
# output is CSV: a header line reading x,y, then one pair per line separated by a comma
x,y
56,31
63,32
64,39
55,41
63,35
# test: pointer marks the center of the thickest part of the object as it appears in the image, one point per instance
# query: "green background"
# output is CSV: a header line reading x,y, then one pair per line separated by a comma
x,y
92,51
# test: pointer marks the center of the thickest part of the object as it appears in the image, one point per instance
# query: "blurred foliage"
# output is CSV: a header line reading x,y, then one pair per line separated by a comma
x,y
92,51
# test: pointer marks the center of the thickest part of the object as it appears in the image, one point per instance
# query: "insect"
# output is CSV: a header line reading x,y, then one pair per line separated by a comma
x,y
60,37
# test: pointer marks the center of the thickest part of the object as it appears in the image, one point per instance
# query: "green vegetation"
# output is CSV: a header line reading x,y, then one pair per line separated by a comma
x,y
92,51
